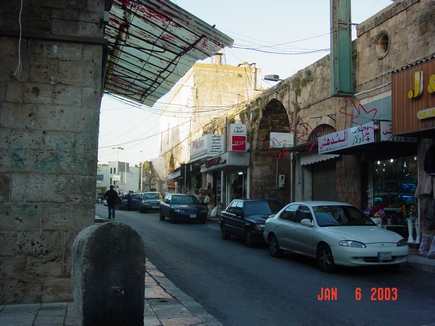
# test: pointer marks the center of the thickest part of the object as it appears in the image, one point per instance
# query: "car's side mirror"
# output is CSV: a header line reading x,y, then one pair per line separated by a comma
x,y
307,222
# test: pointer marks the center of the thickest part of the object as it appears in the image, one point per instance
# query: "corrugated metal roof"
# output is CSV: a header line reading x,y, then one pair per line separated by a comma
x,y
151,45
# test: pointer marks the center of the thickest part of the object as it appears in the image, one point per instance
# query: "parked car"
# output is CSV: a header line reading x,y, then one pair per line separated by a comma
x,y
136,199
245,218
334,234
182,207
150,201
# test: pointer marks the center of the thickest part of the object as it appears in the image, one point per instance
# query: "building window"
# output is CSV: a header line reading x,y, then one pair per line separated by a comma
x,y
100,177
110,170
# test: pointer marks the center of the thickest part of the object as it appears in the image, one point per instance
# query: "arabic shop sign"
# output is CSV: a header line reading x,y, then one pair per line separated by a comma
x,y
386,134
238,137
213,161
356,136
210,144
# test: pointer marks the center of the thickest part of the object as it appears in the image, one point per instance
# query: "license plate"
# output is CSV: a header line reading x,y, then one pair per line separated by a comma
x,y
384,255
192,215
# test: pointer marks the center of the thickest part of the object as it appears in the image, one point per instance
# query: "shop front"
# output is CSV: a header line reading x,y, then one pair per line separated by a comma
x,y
229,173
389,170
413,102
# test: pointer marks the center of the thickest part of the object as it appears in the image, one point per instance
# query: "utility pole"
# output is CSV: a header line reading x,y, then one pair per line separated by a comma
x,y
141,173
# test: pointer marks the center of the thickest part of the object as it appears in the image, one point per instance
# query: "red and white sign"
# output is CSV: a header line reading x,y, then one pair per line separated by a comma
x,y
238,137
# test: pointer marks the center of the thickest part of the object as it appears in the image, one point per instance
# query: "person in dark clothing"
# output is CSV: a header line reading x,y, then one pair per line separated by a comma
x,y
129,198
111,197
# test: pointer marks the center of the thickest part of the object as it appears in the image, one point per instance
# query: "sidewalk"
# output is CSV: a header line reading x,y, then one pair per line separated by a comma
x,y
165,304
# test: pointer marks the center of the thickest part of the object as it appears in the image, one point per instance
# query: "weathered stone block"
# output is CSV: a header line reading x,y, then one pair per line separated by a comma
x,y
13,267
57,289
8,243
69,216
20,216
20,290
38,93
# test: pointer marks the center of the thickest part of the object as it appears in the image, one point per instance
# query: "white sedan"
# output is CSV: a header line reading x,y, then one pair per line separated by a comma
x,y
335,234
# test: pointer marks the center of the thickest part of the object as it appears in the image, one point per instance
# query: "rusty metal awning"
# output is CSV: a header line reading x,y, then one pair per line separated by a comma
x,y
151,45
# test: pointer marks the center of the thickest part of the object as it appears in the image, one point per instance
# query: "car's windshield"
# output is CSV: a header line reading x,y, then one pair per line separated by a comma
x,y
261,207
184,200
334,215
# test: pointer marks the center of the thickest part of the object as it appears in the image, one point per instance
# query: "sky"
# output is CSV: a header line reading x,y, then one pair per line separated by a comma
x,y
280,36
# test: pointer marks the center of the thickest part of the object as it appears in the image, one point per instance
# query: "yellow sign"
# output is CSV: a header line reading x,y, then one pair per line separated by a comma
x,y
418,85
426,114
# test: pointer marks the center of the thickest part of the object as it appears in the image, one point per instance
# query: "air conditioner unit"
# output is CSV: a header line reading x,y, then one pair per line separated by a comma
x,y
281,181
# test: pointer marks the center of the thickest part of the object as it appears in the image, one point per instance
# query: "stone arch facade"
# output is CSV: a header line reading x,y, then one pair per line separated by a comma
x,y
268,163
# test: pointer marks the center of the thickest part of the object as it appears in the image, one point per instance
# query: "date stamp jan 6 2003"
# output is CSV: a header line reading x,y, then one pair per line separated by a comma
x,y
376,294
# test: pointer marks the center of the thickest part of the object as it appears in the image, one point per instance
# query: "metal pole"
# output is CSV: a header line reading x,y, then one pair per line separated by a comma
x,y
141,172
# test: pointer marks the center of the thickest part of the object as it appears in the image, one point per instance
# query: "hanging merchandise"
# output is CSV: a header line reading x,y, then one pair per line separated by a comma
x,y
431,253
423,250
429,213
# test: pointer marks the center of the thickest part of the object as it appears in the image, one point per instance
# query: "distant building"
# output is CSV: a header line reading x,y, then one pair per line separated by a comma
x,y
118,174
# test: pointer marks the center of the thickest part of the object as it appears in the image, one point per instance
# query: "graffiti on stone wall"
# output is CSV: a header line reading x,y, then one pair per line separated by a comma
x,y
359,115
305,132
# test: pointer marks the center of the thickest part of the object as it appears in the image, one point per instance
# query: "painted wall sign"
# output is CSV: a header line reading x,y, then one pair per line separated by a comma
x,y
238,137
426,114
213,161
210,144
356,136
413,98
386,134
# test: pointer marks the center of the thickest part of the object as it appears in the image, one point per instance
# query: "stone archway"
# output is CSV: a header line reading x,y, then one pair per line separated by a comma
x,y
269,163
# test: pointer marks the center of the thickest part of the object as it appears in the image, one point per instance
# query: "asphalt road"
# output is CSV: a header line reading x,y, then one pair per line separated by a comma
x,y
245,286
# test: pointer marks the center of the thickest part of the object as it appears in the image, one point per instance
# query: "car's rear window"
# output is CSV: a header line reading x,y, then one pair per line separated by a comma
x,y
262,207
184,200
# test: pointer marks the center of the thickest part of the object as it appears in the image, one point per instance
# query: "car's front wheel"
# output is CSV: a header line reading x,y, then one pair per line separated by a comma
x,y
224,233
171,217
162,217
249,241
324,259
274,249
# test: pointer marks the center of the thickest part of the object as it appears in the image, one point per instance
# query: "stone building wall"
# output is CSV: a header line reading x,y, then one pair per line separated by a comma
x,y
49,116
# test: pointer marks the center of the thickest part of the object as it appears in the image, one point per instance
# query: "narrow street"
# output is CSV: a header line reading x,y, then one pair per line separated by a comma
x,y
245,286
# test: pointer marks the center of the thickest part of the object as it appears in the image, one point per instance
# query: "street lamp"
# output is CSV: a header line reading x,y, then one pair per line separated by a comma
x,y
274,78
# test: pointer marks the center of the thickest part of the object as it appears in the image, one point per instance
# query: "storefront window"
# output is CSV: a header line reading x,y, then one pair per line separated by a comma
x,y
395,181
237,184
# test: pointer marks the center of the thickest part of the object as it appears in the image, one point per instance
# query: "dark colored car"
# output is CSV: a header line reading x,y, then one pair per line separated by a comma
x,y
136,199
150,201
182,207
245,218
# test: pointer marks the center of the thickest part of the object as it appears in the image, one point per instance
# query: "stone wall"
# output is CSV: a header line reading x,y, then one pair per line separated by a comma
x,y
49,115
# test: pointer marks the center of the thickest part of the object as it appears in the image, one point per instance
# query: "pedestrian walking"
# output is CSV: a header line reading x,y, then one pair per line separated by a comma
x,y
111,197
129,198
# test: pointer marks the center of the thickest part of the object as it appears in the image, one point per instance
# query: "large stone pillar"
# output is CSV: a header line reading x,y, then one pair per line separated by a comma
x,y
51,63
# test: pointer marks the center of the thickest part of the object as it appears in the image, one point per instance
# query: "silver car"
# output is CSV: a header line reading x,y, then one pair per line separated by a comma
x,y
334,234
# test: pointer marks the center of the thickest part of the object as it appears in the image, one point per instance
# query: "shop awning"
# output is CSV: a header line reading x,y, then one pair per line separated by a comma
x,y
312,157
151,45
